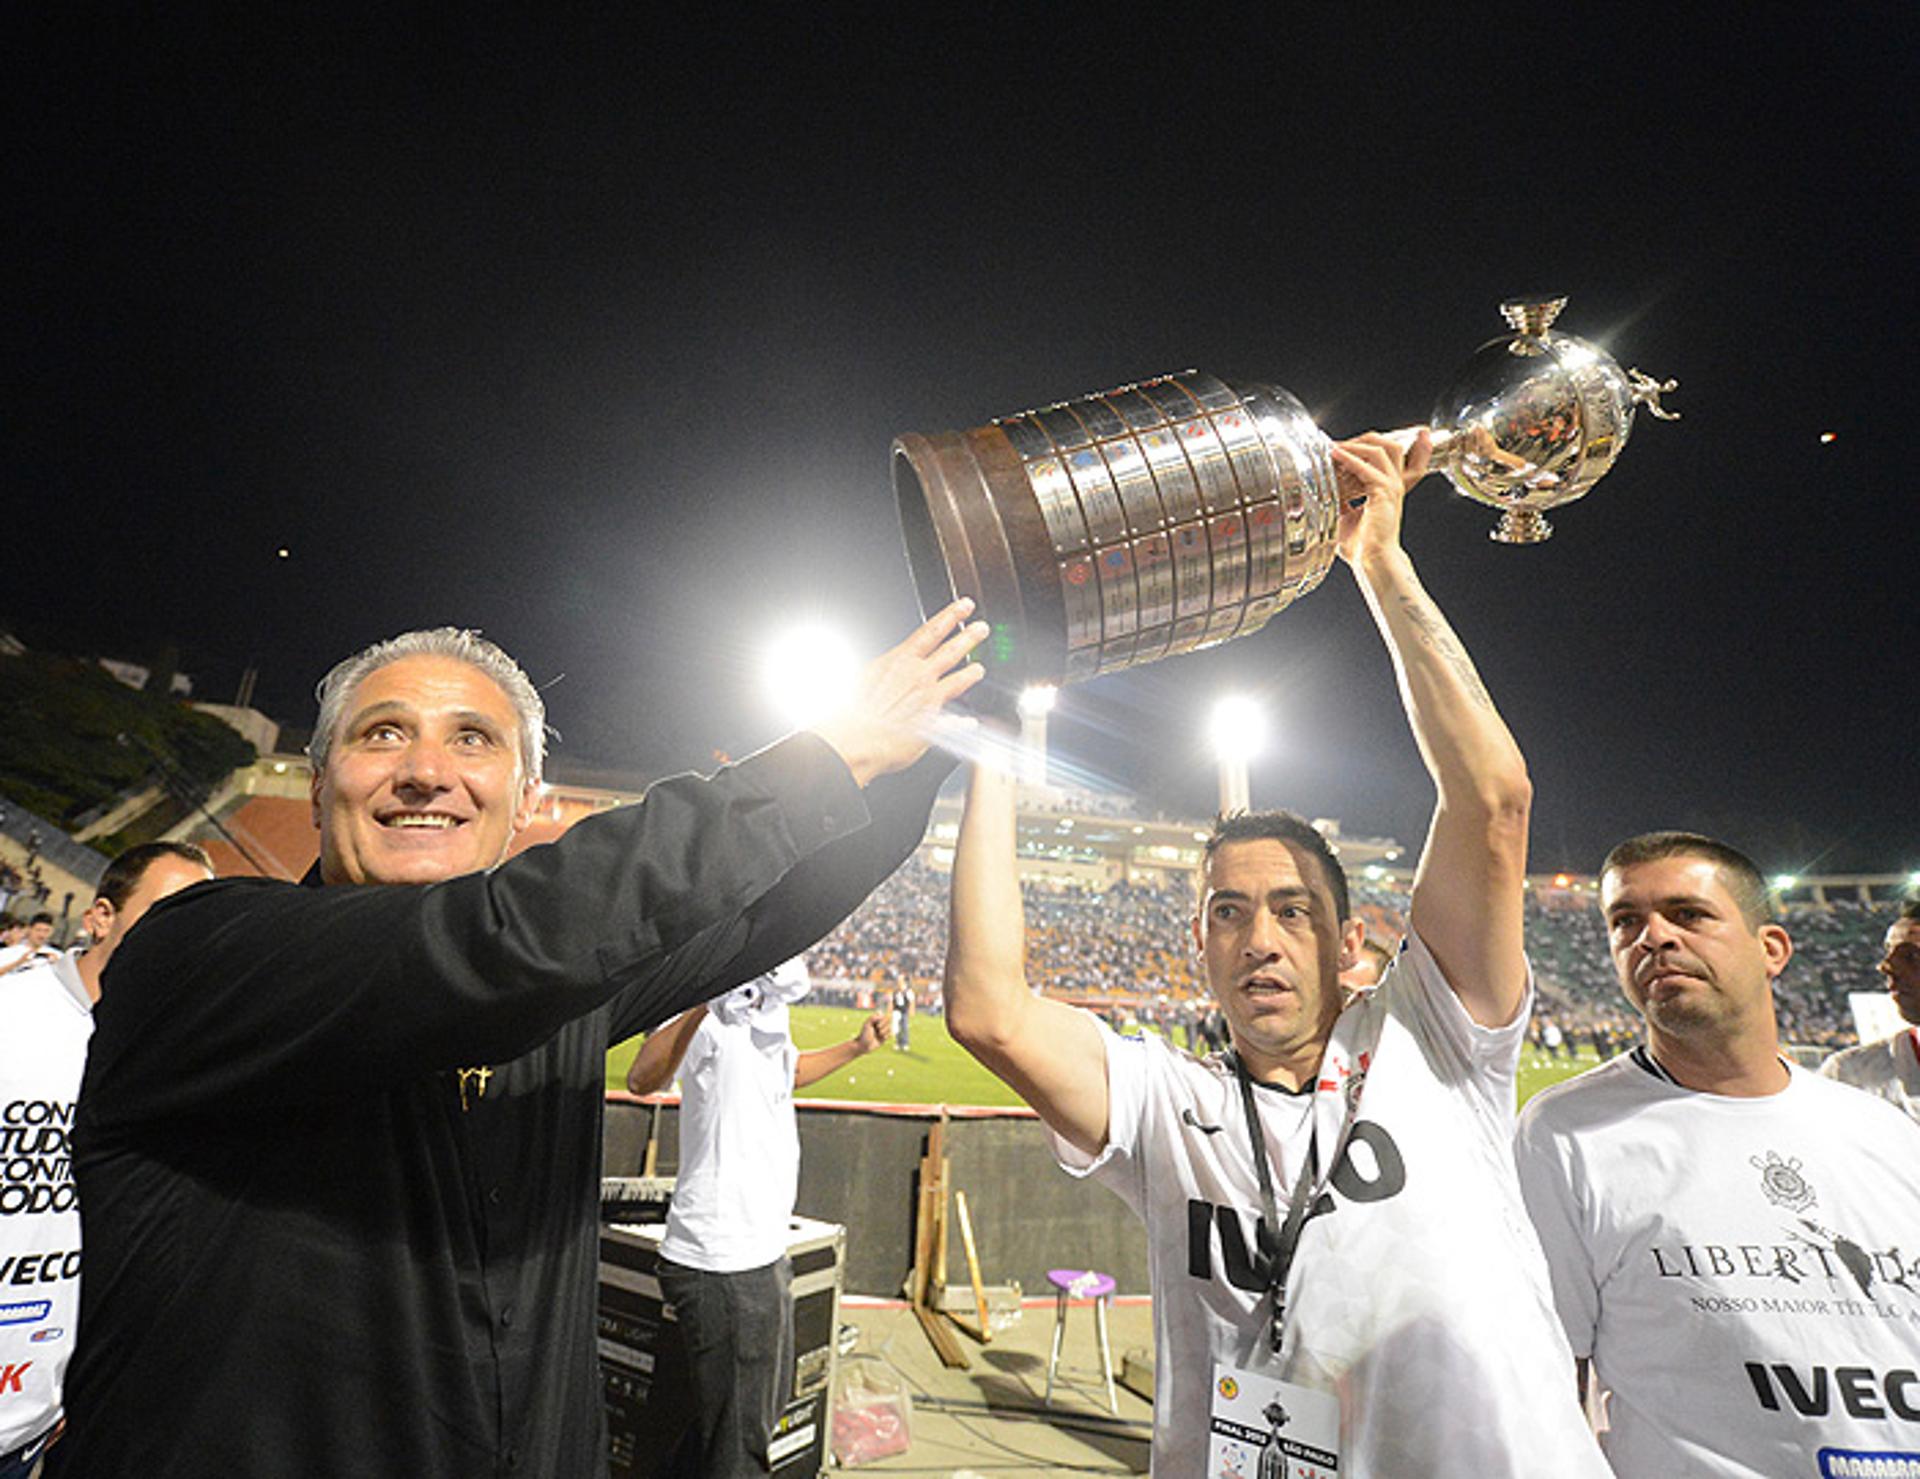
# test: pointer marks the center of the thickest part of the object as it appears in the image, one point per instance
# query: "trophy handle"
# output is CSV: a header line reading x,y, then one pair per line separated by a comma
x,y
1647,392
1445,448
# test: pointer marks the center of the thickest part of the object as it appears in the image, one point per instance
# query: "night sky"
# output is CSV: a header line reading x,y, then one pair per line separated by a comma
x,y
596,335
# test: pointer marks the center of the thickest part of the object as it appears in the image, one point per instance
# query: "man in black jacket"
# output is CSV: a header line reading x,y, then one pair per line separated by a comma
x,y
338,1145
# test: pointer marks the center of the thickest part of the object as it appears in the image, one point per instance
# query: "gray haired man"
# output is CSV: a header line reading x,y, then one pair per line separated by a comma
x,y
339,1142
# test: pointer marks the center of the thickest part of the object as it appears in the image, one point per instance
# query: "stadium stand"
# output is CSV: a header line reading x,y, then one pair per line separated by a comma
x,y
1108,909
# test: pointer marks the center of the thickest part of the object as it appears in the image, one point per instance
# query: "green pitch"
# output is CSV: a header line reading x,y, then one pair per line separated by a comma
x,y
936,1070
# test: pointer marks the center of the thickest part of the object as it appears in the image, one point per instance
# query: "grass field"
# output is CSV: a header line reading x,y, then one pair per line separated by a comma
x,y
936,1070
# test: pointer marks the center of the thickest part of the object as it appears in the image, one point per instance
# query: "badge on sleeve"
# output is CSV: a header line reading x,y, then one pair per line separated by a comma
x,y
1264,1428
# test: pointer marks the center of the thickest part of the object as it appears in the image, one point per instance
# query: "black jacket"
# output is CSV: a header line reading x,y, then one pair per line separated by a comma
x,y
311,1247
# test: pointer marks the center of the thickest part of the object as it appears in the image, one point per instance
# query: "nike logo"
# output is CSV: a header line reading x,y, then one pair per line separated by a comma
x,y
1187,1117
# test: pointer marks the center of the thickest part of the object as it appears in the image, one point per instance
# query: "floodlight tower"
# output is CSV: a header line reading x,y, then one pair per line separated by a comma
x,y
1035,704
1238,730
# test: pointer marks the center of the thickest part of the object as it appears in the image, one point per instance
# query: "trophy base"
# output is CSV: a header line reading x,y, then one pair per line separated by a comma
x,y
1521,526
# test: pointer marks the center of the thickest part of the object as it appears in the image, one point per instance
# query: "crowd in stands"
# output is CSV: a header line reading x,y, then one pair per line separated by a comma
x,y
1129,941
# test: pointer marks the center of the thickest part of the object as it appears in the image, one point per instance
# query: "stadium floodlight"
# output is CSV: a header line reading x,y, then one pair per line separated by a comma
x,y
1037,700
1785,882
1237,729
809,672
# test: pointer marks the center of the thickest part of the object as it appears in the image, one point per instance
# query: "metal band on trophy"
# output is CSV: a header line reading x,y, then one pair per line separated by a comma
x,y
1177,513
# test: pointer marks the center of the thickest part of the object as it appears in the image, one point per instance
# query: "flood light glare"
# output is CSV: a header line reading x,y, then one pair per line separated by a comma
x,y
1238,729
1038,700
809,671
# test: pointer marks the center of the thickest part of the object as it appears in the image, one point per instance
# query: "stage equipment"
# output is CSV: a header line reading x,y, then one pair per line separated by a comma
x,y
1161,517
643,1362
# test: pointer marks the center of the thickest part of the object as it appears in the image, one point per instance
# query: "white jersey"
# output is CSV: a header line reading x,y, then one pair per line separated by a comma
x,y
44,1026
1419,1296
1743,1272
1889,1068
739,1144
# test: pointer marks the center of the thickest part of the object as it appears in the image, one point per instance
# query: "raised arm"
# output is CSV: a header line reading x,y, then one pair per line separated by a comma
x,y
1467,892
811,1067
1047,1052
240,992
661,1055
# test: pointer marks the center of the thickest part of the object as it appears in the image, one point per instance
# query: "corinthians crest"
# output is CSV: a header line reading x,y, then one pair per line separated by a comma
x,y
1782,1182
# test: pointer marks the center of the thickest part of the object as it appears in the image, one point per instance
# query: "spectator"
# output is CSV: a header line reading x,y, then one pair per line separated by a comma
x,y
1723,1228
1891,1067
35,946
723,1261
48,1014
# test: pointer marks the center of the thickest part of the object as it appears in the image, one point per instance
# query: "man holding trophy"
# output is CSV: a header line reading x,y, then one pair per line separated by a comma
x,y
1336,1235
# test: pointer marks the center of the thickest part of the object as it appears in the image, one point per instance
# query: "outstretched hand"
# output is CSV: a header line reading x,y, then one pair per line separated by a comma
x,y
897,708
1375,471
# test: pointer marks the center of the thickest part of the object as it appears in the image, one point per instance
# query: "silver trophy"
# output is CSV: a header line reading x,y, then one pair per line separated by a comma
x,y
1536,418
1174,514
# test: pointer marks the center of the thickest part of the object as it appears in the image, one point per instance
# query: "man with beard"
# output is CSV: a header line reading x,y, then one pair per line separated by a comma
x,y
1332,1221
1726,1231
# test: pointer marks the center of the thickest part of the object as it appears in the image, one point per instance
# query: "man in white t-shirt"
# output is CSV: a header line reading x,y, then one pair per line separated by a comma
x,y
46,1017
723,1261
35,946
1342,1268
1734,1242
1891,1067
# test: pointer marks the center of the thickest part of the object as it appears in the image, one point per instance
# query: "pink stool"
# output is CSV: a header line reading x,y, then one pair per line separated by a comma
x,y
1082,1283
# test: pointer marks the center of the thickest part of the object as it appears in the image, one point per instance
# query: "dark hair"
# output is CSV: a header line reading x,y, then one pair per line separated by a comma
x,y
41,918
1292,829
1738,872
124,873
1909,908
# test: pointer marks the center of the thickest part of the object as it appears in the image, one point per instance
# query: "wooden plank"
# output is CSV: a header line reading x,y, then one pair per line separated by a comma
x,y
940,1336
973,1266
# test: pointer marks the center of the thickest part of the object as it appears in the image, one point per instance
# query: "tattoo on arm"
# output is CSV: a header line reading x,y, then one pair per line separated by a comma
x,y
1433,632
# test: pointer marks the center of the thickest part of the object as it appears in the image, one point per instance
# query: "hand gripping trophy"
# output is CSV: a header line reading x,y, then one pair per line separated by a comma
x,y
1151,520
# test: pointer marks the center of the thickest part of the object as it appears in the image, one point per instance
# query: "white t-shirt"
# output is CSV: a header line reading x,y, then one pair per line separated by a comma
x,y
1421,1299
44,1026
739,1144
1889,1068
1744,1273
10,953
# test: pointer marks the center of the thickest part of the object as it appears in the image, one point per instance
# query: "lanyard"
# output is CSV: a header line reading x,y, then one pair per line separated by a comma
x,y
1277,1248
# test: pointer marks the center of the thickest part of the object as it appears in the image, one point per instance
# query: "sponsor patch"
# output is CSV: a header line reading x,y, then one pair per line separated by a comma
x,y
52,1332
25,1312
1861,1463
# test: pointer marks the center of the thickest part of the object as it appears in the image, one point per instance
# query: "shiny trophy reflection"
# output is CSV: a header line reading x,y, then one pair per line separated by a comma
x,y
1535,418
1180,512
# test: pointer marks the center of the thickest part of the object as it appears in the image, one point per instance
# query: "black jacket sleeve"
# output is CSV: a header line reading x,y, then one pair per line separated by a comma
x,y
814,896
245,992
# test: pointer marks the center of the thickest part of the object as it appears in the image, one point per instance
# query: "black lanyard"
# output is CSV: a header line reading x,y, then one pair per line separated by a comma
x,y
1278,1241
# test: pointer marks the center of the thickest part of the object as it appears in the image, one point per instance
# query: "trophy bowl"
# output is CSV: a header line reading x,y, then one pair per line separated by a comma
x,y
1179,512
1535,418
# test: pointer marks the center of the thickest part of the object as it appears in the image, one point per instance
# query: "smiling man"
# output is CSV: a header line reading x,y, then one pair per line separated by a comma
x,y
339,1142
1332,1220
1731,1238
1891,1067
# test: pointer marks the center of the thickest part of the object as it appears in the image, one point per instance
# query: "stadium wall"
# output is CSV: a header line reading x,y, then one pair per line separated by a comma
x,y
859,1165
